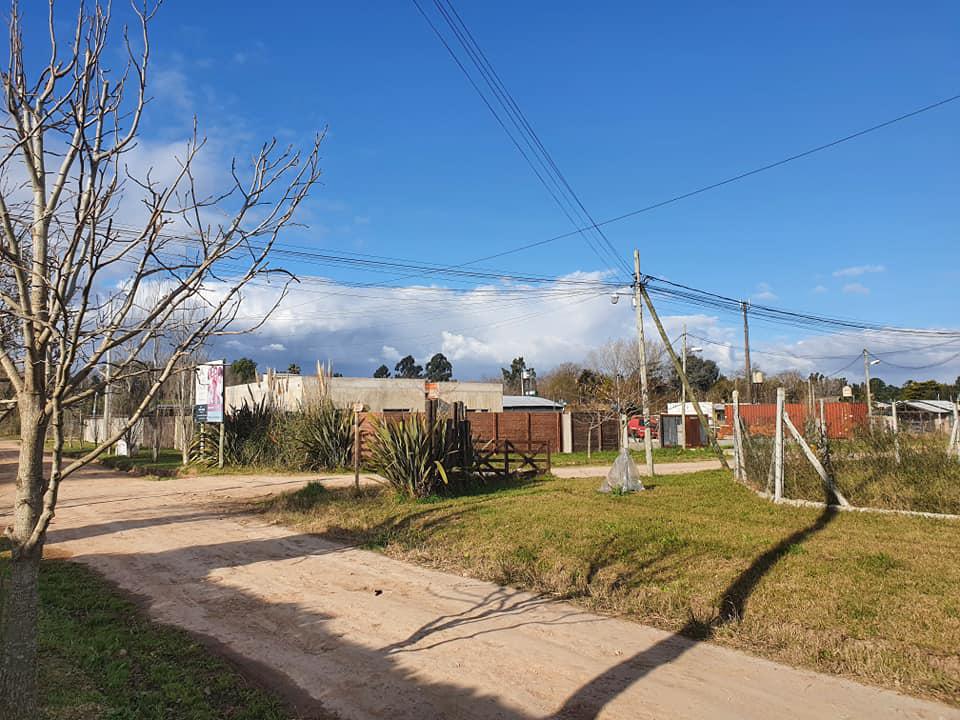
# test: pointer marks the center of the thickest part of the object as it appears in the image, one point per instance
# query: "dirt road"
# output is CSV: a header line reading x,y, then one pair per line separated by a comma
x,y
357,634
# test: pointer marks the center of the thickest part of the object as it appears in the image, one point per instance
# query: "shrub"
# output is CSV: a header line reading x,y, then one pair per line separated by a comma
x,y
324,436
404,455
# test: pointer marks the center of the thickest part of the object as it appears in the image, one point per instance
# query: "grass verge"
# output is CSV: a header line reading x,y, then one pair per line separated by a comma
x,y
605,457
101,658
876,598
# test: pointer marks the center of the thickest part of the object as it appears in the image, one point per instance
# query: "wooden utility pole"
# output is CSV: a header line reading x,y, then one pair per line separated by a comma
x,y
866,375
746,352
642,346
683,378
683,394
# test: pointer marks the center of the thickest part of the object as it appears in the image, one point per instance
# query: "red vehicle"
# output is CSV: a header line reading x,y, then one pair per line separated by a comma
x,y
636,427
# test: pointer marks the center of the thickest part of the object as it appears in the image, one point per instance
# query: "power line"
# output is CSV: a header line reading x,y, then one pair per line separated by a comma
x,y
734,178
522,128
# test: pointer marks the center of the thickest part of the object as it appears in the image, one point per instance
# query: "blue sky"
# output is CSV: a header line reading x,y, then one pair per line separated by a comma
x,y
637,102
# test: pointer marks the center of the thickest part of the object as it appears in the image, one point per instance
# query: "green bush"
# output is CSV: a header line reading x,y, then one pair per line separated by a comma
x,y
260,435
406,457
324,436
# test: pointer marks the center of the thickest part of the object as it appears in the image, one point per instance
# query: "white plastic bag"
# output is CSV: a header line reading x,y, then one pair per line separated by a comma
x,y
623,476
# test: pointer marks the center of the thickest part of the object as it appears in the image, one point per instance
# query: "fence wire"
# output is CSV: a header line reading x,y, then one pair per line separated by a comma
x,y
875,467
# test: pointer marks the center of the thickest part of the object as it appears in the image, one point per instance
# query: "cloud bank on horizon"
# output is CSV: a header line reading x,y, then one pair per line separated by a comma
x,y
481,329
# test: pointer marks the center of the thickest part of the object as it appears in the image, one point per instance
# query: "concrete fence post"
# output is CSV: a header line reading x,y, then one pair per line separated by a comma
x,y
778,449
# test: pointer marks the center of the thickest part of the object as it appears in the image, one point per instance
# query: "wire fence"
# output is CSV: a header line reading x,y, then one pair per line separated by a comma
x,y
883,465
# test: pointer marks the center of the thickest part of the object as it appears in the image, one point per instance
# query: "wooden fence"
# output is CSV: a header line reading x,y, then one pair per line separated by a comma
x,y
518,427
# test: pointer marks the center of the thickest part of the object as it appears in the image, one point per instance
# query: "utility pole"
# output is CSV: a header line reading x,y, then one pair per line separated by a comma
x,y
683,378
644,391
746,352
866,375
683,393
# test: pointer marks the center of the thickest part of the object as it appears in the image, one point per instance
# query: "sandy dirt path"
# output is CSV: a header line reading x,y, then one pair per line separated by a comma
x,y
353,633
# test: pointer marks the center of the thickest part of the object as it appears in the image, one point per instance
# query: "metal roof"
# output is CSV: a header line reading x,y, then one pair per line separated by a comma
x,y
943,407
529,401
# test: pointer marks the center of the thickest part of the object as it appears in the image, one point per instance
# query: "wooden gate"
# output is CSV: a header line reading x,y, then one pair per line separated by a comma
x,y
503,458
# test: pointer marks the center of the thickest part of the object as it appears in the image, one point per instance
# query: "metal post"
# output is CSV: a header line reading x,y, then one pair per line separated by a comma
x,y
644,389
107,405
778,449
223,418
220,448
746,352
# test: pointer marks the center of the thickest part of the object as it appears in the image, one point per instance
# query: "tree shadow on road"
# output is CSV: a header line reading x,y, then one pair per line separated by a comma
x,y
300,645
590,699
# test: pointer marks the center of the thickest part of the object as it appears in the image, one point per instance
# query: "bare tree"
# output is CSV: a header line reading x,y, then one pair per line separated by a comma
x,y
86,291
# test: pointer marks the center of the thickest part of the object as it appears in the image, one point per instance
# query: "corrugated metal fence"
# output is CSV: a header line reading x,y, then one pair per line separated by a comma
x,y
842,418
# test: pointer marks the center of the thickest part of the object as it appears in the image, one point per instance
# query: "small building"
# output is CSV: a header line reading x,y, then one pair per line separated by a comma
x,y
925,415
530,403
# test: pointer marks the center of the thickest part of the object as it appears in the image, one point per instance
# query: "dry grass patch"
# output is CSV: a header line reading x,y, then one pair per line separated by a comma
x,y
872,597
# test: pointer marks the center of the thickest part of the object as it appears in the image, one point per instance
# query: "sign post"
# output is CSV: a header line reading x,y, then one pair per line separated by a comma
x,y
357,409
209,393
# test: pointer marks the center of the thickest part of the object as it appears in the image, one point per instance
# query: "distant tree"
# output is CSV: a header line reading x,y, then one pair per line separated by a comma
x,y
408,368
587,384
293,369
243,371
721,390
382,372
439,368
560,383
513,375
701,373
925,390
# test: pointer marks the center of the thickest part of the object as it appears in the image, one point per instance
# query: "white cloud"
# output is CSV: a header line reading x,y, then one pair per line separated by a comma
x,y
858,270
856,289
764,293
819,290
482,329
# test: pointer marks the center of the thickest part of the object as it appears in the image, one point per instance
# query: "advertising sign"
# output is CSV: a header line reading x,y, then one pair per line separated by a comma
x,y
208,388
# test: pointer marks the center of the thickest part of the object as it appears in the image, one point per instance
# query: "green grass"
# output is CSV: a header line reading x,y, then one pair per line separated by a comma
x,y
867,472
168,462
660,455
102,659
873,597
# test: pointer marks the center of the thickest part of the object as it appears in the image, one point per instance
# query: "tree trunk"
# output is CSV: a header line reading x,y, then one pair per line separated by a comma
x,y
18,672
18,662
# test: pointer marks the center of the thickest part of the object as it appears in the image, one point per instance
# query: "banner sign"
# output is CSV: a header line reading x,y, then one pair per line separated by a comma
x,y
208,386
